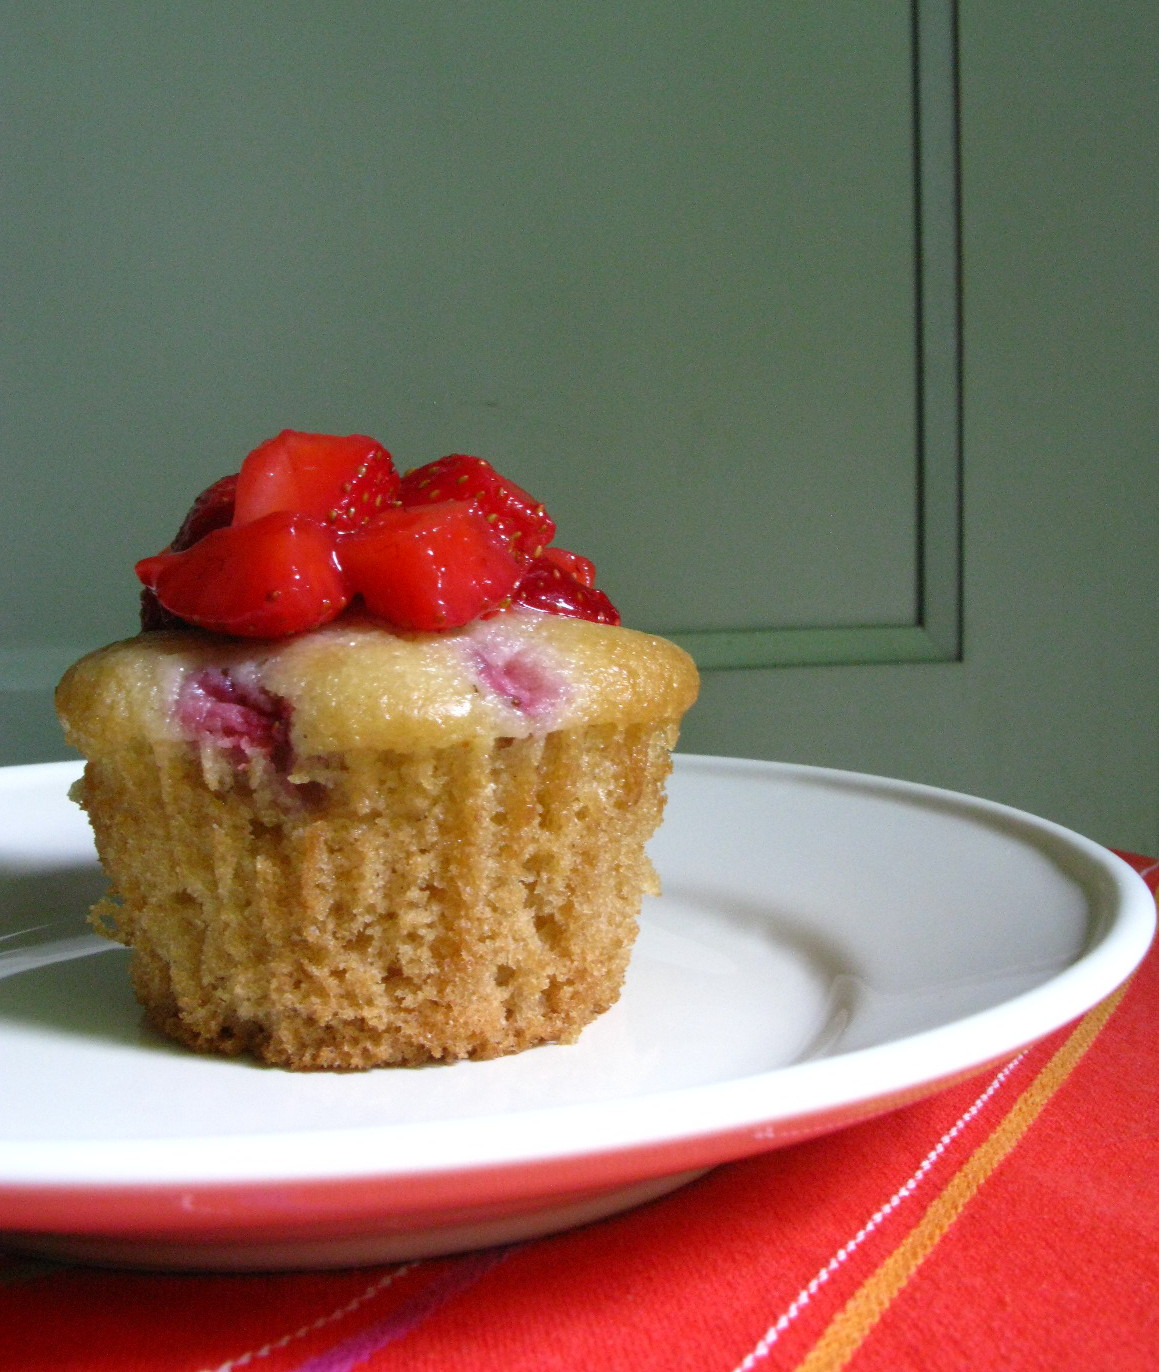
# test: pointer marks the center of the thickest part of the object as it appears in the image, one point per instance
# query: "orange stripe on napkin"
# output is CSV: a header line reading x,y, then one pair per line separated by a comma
x,y
855,1321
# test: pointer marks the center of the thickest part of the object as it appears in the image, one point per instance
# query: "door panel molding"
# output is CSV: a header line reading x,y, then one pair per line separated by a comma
x,y
936,633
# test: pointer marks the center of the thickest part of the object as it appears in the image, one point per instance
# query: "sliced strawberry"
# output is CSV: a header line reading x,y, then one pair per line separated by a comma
x,y
518,517
432,567
582,568
213,509
342,481
276,576
545,586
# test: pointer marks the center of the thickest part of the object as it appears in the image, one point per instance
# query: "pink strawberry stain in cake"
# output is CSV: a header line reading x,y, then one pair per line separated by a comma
x,y
230,709
522,679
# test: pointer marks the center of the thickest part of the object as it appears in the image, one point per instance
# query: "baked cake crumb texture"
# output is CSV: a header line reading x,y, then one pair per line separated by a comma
x,y
387,908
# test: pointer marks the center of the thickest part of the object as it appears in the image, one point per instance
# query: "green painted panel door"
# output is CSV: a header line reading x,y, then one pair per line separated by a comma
x,y
827,330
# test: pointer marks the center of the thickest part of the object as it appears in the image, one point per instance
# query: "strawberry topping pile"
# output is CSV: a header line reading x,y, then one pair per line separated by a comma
x,y
314,522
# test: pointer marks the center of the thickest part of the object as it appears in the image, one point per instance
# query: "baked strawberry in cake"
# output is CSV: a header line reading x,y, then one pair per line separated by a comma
x,y
373,785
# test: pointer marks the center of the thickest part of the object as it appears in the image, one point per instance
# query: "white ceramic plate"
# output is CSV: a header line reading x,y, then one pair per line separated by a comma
x,y
828,946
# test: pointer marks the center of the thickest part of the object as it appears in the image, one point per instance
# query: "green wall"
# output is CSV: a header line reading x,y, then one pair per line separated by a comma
x,y
689,271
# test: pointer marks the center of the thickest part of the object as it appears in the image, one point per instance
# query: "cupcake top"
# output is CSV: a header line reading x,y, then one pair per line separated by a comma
x,y
317,602
357,684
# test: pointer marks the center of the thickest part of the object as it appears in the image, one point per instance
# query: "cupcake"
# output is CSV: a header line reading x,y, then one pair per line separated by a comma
x,y
373,785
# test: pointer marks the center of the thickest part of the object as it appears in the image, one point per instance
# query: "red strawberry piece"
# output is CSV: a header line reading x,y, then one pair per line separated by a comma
x,y
546,586
342,481
582,568
276,576
432,567
518,517
213,509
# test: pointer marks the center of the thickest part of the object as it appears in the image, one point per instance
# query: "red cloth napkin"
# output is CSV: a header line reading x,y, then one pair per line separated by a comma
x,y
1009,1223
